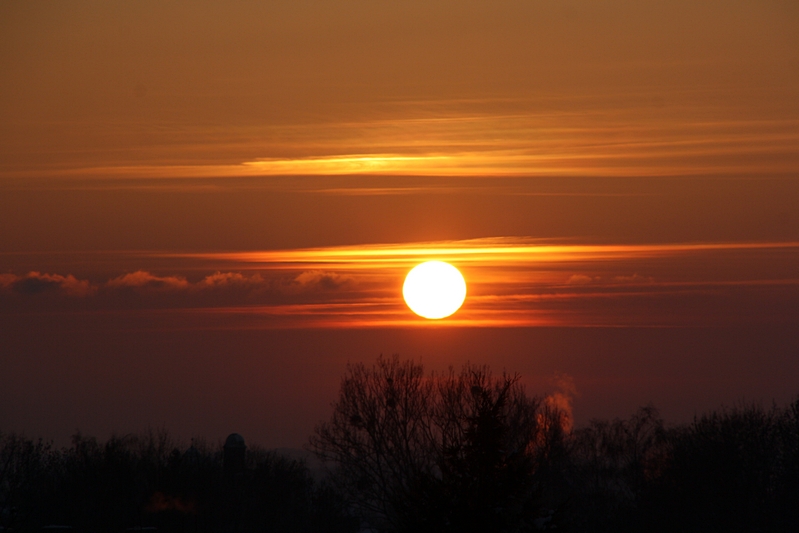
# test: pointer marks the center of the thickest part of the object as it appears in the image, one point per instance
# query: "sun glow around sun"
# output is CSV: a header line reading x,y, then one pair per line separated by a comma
x,y
434,289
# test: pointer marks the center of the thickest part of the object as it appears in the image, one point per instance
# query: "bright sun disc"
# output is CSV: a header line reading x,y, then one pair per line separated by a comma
x,y
434,289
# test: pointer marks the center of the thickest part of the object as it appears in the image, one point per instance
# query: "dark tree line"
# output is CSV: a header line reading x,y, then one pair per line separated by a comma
x,y
471,452
463,451
146,481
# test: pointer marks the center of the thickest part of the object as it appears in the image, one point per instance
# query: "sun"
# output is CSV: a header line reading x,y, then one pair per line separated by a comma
x,y
434,289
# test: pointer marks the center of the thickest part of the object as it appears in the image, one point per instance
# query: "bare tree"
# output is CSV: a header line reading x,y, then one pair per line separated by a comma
x,y
458,451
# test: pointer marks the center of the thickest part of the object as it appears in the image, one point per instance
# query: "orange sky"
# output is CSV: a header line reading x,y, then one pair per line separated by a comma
x,y
251,171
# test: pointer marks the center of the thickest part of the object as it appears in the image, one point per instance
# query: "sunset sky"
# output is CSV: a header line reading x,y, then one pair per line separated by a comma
x,y
207,209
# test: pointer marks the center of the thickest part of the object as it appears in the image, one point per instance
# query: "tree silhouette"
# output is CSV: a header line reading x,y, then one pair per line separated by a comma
x,y
135,481
454,452
732,470
461,451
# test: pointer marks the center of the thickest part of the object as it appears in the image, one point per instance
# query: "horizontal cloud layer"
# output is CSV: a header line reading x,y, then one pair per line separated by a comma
x,y
511,282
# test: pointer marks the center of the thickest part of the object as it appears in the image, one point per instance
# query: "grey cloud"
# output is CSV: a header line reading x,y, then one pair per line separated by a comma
x,y
37,283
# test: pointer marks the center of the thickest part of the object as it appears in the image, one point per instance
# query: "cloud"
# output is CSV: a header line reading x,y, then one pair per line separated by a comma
x,y
219,280
580,279
634,279
143,279
37,283
219,284
319,280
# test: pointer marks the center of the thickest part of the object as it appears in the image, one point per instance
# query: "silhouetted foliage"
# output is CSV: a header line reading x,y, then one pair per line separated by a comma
x,y
23,463
460,451
611,466
471,452
147,481
455,452
733,470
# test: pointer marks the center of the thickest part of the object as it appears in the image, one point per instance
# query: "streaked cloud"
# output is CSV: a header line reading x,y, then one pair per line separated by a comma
x,y
480,143
500,250
512,282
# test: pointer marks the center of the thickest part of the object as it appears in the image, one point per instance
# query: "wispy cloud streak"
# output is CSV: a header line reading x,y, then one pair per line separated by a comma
x,y
506,251
512,282
478,139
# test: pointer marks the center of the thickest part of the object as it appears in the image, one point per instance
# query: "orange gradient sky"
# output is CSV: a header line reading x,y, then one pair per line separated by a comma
x,y
206,204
